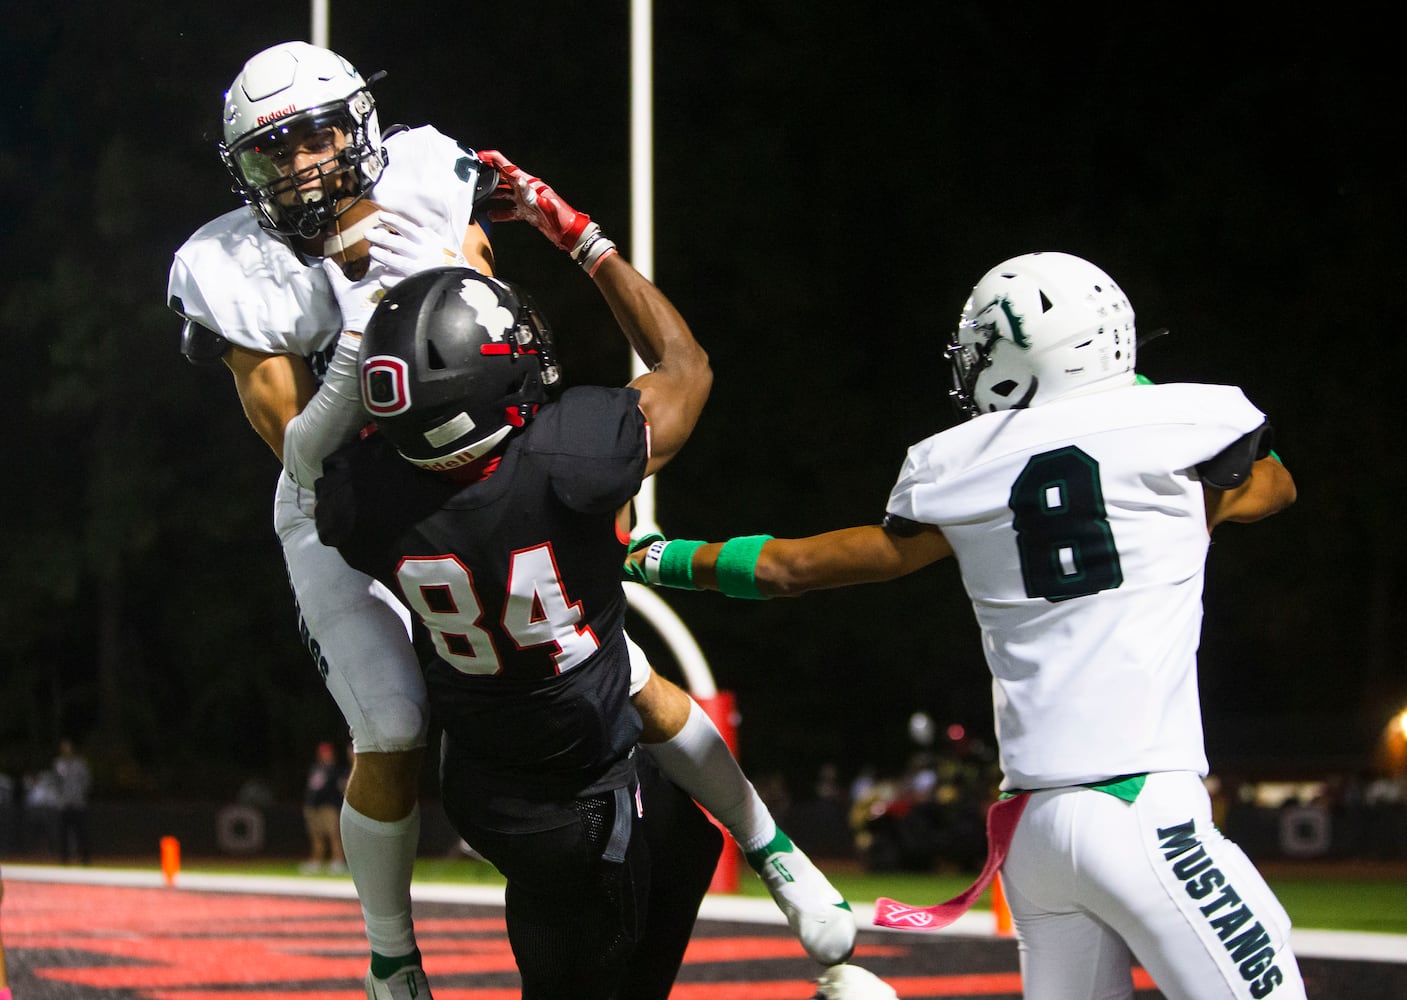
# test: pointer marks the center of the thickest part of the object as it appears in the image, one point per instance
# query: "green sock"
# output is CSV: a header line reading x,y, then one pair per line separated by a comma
x,y
383,966
781,842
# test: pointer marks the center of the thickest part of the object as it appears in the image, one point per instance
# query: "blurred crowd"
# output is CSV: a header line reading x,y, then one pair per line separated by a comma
x,y
931,815
47,809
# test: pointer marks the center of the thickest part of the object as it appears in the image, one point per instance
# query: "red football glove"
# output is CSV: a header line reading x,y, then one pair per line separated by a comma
x,y
519,195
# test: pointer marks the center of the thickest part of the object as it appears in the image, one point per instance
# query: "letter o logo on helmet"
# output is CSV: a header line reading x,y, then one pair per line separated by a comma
x,y
385,386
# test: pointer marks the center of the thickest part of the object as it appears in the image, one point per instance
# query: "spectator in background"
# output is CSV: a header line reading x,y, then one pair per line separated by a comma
x,y
322,812
74,783
828,786
4,979
39,820
9,813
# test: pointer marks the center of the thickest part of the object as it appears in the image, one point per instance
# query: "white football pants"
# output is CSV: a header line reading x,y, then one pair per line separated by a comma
x,y
357,632
1095,883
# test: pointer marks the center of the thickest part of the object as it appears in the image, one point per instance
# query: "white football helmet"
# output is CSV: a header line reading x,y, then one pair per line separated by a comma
x,y
1039,327
284,90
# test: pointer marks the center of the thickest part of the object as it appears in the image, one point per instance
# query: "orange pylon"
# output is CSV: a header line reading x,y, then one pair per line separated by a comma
x,y
1000,910
170,859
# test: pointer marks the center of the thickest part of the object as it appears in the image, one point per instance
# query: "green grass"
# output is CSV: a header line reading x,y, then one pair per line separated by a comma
x,y
1329,901
1345,904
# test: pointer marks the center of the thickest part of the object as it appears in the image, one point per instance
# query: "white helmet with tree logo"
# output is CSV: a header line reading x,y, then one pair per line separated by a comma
x,y
1039,327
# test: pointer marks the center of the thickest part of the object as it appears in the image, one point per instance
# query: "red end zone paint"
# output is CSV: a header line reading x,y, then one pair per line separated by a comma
x,y
82,942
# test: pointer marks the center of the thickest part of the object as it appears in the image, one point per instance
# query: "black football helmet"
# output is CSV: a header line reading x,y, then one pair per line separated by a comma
x,y
453,362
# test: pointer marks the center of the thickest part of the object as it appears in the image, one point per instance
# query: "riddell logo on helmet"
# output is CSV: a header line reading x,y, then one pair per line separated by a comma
x,y
275,115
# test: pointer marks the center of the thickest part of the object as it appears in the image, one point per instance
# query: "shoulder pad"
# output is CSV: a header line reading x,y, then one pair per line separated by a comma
x,y
202,346
901,526
1232,467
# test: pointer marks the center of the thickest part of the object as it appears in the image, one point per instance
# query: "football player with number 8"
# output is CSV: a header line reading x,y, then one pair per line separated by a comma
x,y
1079,503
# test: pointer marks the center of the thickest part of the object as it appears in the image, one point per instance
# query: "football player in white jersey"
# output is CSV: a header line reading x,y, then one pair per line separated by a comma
x,y
1078,501
302,140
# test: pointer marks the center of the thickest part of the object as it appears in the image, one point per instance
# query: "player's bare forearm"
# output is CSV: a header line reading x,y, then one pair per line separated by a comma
x,y
1269,490
654,328
673,392
273,389
787,567
477,250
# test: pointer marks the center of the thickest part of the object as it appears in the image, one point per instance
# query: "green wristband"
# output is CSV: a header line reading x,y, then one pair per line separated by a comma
x,y
671,564
736,566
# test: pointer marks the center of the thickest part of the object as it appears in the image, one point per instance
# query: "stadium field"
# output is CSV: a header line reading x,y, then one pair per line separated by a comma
x,y
87,933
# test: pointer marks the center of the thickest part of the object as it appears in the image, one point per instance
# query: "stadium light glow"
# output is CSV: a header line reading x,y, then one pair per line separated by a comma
x,y
1392,745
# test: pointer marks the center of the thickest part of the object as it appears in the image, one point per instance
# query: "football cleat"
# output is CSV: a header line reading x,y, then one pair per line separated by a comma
x,y
815,911
850,982
406,983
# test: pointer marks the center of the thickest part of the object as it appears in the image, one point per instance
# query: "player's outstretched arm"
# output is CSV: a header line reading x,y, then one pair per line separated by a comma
x,y
759,566
674,390
1268,490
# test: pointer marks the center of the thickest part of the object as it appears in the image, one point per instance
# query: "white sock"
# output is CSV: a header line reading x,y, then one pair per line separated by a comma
x,y
381,857
698,760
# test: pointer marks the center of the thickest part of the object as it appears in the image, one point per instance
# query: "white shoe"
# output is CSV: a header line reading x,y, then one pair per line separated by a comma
x,y
408,983
816,912
850,982
310,868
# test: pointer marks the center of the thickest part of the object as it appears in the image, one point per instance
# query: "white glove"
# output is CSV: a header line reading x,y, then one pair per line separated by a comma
x,y
357,299
403,248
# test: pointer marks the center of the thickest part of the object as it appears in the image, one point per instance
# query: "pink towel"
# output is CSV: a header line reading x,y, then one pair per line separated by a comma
x,y
1002,818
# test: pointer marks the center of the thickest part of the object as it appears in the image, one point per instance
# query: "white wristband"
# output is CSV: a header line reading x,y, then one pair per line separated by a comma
x,y
653,555
592,248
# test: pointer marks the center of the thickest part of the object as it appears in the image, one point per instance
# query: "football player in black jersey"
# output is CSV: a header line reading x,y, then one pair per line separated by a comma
x,y
488,501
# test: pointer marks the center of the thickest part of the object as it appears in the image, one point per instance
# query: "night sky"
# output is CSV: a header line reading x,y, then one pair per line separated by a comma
x,y
831,179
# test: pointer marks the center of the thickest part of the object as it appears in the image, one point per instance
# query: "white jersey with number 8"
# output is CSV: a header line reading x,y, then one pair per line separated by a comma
x,y
1091,607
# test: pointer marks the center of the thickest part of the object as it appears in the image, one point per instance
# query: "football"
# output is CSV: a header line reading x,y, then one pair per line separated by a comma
x,y
346,242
